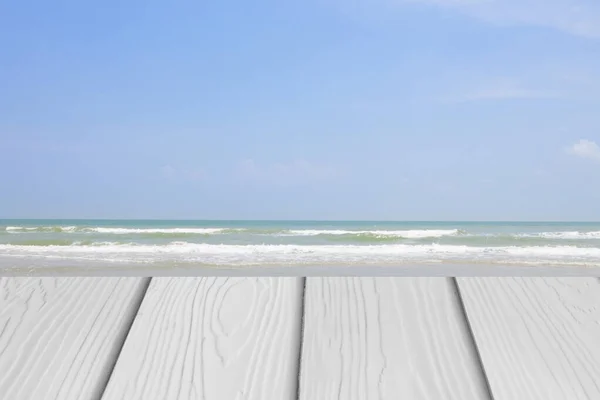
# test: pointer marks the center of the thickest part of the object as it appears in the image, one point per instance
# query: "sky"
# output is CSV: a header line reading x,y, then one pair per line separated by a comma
x,y
320,109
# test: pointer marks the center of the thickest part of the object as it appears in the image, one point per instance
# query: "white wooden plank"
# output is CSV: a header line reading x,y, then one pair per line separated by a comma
x,y
387,338
539,338
59,338
212,338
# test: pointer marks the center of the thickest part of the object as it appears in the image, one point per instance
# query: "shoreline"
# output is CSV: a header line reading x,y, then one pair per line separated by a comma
x,y
414,270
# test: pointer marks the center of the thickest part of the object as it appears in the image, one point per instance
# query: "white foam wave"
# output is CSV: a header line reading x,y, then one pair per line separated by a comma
x,y
316,254
572,235
15,228
20,229
407,234
124,231
116,231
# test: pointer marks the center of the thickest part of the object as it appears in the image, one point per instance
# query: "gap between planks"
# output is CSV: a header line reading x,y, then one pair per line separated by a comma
x,y
537,336
61,336
136,308
380,338
459,303
471,336
454,301
301,336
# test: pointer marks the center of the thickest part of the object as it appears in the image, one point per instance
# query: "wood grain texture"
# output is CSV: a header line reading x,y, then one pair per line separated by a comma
x,y
59,338
387,338
539,338
212,338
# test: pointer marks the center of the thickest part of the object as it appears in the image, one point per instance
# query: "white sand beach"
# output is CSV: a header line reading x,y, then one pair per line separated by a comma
x,y
433,270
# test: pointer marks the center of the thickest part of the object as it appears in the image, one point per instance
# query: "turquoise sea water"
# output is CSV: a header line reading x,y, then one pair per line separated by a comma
x,y
281,243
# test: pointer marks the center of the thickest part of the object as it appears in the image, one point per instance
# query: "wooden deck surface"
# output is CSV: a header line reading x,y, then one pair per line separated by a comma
x,y
294,338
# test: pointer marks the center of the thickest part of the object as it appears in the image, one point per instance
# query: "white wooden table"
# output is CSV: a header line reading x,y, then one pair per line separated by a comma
x,y
284,338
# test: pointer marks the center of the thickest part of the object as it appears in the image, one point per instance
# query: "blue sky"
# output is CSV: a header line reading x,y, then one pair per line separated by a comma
x,y
324,109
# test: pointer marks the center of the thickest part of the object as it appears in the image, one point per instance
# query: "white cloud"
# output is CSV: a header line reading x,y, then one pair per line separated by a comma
x,y
182,174
578,17
499,89
585,149
298,171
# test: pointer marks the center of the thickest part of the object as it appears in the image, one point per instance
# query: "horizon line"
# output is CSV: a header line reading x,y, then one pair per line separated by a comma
x,y
294,220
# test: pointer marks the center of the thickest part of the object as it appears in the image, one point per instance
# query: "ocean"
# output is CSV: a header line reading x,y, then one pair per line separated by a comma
x,y
295,243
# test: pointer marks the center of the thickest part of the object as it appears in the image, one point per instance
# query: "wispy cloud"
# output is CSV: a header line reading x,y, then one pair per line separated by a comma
x,y
585,149
172,173
500,89
577,17
294,172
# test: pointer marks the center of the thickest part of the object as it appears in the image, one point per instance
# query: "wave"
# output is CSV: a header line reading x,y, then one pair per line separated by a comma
x,y
409,234
116,231
350,253
548,236
123,231
66,243
41,229
571,235
406,234
334,234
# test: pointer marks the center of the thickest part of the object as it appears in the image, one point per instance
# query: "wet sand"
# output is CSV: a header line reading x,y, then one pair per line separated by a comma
x,y
441,270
